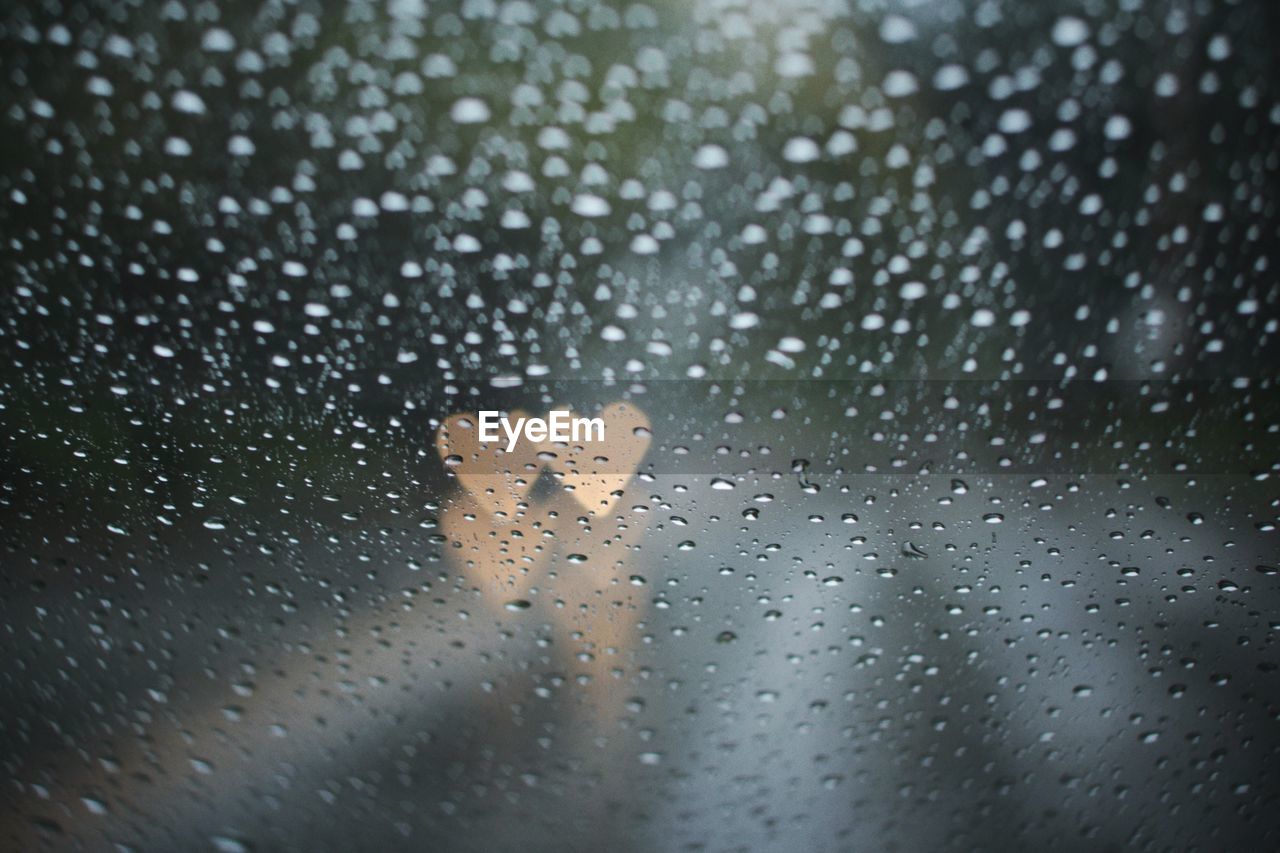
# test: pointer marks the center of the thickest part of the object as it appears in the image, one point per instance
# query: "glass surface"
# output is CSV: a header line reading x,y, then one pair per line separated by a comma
x,y
935,345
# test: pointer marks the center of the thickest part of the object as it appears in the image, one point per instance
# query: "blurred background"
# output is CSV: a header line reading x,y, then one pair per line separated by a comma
x,y
942,516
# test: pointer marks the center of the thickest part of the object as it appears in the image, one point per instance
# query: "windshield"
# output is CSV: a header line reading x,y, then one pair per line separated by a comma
x,y
704,425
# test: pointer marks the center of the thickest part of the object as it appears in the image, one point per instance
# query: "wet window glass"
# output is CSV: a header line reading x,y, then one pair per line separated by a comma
x,y
709,425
